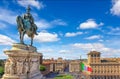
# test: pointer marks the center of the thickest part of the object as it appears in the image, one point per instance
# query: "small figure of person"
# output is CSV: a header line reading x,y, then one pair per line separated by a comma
x,y
7,69
12,66
26,67
19,67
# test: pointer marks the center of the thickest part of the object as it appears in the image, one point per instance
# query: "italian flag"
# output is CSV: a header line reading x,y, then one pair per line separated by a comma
x,y
85,68
89,69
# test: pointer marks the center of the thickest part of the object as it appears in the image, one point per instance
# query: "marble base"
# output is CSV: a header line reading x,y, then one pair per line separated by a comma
x,y
36,76
10,77
22,63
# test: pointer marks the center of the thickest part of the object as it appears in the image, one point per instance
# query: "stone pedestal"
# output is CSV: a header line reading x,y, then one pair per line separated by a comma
x,y
22,63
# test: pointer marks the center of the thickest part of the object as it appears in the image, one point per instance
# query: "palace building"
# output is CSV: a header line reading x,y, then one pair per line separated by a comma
x,y
103,68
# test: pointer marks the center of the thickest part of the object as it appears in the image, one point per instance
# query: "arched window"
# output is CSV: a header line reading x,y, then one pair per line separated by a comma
x,y
92,55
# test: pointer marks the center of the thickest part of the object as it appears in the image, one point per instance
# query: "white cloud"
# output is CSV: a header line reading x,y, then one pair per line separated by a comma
x,y
46,37
89,24
64,51
101,40
94,37
5,40
74,51
115,10
114,31
114,43
72,34
88,46
2,25
34,3
3,56
46,50
97,47
61,34
43,24
7,16
58,22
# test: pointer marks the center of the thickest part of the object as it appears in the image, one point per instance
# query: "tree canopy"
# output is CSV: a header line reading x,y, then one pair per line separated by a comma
x,y
42,68
1,70
64,77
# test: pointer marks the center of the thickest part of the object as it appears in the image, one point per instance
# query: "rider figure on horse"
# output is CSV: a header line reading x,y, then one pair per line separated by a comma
x,y
28,21
26,25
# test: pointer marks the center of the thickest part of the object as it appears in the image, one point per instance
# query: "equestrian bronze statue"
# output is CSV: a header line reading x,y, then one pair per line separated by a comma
x,y
26,25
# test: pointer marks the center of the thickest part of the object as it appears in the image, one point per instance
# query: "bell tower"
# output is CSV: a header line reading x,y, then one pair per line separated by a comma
x,y
93,57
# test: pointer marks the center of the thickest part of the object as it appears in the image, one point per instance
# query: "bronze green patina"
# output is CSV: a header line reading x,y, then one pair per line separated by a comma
x,y
26,25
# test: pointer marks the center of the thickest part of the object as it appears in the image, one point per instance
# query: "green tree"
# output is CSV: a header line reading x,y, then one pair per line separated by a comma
x,y
1,70
42,68
1,63
64,77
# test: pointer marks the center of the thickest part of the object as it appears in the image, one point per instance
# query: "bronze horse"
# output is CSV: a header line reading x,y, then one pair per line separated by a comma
x,y
26,25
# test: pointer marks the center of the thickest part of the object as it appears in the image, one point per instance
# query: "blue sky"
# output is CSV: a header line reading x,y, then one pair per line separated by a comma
x,y
66,28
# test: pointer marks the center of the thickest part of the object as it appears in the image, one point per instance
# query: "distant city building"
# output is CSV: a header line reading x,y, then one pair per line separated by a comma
x,y
58,65
94,67
47,63
103,68
41,58
47,68
74,66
